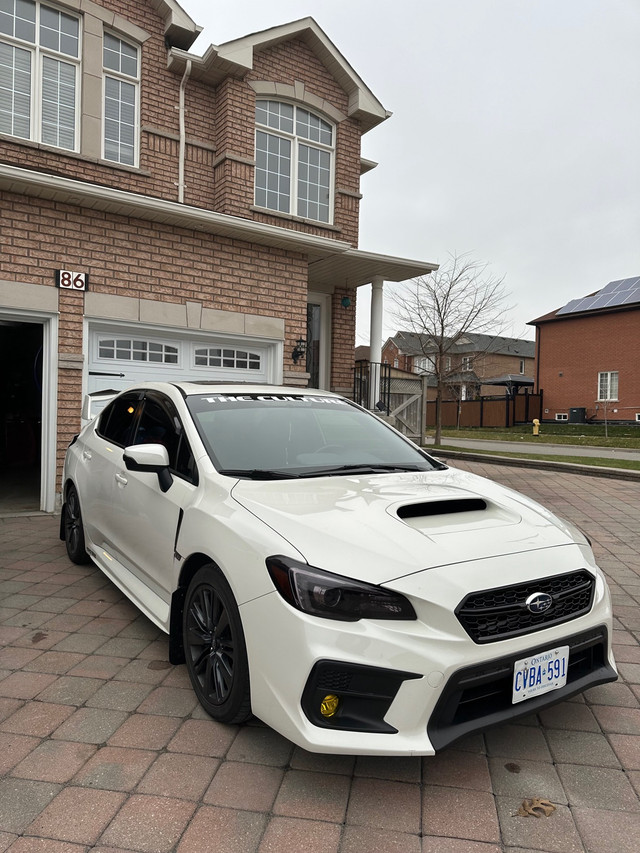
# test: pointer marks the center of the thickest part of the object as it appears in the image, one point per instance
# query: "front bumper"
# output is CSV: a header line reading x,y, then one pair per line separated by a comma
x,y
438,684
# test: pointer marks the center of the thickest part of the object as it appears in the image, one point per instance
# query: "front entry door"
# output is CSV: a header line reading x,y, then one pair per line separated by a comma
x,y
318,335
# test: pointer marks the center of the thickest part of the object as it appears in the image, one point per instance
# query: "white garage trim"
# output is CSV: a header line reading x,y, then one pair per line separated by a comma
x,y
49,421
120,355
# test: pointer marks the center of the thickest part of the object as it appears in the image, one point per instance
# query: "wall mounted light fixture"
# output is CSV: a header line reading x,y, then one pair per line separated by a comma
x,y
299,351
345,302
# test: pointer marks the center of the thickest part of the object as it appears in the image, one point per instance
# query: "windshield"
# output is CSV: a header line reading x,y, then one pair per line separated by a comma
x,y
280,435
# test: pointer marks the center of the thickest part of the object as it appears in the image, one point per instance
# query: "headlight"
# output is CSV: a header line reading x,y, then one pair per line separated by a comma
x,y
333,596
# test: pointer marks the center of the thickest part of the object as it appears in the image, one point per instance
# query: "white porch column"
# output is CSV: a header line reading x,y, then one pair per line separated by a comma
x,y
375,339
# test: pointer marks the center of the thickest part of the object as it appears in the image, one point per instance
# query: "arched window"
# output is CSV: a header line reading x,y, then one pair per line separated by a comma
x,y
294,161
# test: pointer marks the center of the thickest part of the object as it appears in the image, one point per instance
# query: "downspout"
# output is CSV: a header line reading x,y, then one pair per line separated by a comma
x,y
183,140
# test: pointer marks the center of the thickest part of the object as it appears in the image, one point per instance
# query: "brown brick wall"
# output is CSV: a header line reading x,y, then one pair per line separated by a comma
x,y
343,324
573,351
136,258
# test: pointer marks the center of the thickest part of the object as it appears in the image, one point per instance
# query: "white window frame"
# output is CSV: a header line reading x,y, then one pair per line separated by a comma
x,y
122,77
295,143
467,363
562,416
522,366
638,417
38,54
605,378
228,353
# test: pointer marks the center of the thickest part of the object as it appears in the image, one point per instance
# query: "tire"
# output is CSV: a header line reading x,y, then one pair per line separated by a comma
x,y
214,647
73,529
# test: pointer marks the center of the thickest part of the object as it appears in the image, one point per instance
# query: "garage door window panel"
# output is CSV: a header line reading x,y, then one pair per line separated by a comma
x,y
129,349
224,357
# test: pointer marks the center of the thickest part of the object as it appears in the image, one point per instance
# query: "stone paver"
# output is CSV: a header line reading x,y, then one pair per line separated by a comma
x,y
104,748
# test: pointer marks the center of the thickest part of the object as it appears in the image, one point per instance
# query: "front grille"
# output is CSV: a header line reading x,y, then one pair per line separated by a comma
x,y
500,613
480,696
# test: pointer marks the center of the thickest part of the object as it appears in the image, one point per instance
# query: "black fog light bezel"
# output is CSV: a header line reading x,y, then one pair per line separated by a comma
x,y
365,694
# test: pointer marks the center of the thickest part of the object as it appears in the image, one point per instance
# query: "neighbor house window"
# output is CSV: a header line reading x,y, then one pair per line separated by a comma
x,y
466,362
121,64
562,416
39,73
522,365
294,161
608,385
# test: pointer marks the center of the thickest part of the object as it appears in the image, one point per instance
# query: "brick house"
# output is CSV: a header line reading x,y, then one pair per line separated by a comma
x,y
587,356
170,215
474,366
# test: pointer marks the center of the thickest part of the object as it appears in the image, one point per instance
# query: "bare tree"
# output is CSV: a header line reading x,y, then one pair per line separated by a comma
x,y
459,298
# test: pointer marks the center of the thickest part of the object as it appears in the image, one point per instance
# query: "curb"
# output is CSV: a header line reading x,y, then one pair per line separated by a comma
x,y
568,467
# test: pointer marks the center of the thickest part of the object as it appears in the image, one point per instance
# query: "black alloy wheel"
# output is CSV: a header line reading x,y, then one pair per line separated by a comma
x,y
73,529
215,649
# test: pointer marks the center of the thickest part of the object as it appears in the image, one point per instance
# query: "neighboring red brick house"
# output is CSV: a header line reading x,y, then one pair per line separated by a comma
x,y
587,356
470,363
167,215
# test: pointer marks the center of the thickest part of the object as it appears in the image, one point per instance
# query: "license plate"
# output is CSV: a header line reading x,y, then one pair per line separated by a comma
x,y
540,673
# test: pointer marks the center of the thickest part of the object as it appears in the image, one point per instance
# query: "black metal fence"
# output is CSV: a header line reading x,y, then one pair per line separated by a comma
x,y
372,385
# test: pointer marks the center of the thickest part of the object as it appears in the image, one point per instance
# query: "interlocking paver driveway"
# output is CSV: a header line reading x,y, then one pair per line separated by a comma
x,y
103,748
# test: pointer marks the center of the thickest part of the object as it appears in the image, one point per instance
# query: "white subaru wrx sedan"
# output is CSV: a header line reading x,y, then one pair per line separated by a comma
x,y
315,568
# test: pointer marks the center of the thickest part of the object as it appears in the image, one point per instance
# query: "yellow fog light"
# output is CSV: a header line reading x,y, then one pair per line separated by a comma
x,y
329,705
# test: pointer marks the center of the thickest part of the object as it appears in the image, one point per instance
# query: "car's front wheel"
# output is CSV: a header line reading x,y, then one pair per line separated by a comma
x,y
73,528
215,649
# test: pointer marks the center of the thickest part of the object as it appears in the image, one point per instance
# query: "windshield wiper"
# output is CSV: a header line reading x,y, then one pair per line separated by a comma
x,y
363,468
258,474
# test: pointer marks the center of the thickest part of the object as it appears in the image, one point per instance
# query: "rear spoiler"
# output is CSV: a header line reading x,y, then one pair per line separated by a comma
x,y
95,402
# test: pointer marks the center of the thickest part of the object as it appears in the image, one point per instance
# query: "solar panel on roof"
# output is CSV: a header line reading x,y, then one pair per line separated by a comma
x,y
625,291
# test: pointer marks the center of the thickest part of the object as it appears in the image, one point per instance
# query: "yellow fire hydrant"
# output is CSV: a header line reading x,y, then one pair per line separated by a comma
x,y
536,426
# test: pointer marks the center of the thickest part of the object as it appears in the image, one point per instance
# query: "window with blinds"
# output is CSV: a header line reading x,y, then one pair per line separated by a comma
x,y
121,64
39,73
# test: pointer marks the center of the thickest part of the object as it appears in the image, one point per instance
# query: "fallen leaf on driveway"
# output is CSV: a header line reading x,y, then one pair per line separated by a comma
x,y
536,807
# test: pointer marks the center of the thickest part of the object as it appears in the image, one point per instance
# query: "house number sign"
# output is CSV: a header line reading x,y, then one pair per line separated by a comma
x,y
69,280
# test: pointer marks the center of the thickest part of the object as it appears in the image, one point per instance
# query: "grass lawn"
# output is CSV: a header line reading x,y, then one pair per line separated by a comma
x,y
579,435
626,464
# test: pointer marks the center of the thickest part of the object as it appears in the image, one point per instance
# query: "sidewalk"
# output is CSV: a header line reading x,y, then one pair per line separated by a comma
x,y
530,446
103,747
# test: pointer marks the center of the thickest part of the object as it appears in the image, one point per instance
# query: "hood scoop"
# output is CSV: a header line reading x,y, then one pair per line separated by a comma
x,y
452,515
446,507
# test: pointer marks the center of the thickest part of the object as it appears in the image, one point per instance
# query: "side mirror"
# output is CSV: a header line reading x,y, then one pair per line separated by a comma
x,y
151,459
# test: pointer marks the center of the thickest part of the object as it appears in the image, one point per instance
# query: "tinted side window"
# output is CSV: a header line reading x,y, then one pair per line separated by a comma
x,y
117,420
159,424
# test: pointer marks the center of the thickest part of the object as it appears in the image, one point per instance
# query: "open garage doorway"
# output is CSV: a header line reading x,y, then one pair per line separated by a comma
x,y
21,356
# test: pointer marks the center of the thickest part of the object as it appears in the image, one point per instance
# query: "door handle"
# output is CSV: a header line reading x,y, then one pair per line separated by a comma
x,y
122,479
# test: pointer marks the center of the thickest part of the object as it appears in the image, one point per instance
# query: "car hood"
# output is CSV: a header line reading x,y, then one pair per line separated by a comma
x,y
383,527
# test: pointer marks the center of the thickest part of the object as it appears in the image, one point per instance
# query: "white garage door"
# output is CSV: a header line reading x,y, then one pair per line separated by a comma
x,y
121,356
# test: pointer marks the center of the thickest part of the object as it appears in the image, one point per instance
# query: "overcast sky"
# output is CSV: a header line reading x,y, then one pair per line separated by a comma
x,y
515,133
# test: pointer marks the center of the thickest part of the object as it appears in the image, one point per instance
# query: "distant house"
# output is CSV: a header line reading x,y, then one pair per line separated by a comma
x,y
588,354
476,365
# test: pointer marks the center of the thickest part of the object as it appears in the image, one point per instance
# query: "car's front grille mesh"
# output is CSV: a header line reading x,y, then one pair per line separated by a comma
x,y
496,614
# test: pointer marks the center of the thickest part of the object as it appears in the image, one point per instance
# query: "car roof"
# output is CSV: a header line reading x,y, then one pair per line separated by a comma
x,y
189,389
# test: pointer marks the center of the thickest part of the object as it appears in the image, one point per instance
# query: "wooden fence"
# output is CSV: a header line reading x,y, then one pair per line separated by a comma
x,y
488,411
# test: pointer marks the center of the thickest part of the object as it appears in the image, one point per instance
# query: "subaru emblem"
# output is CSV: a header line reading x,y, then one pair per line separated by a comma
x,y
538,602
